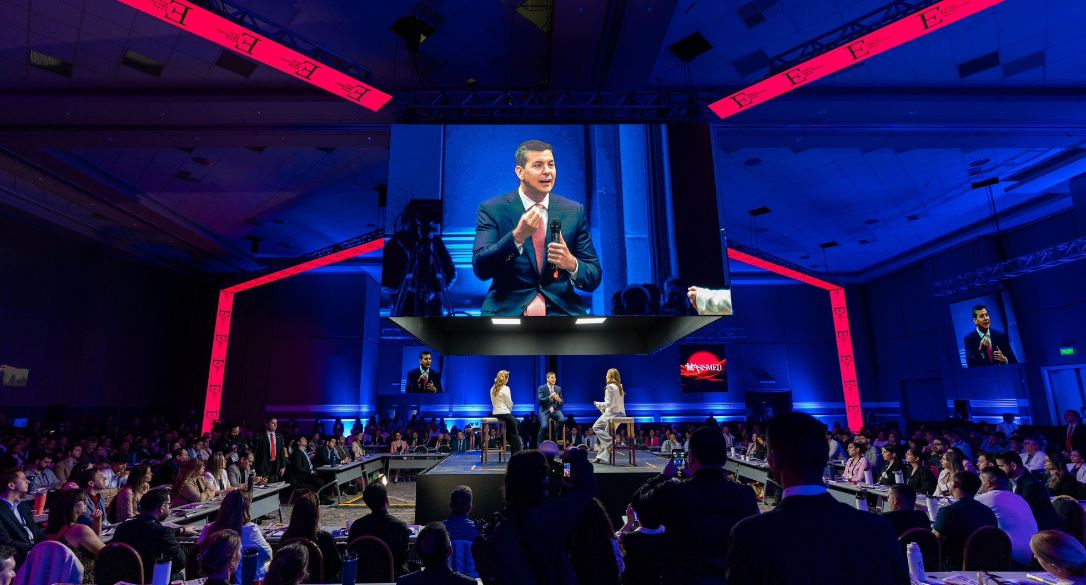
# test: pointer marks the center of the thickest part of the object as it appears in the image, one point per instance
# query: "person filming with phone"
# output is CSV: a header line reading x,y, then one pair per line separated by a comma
x,y
700,509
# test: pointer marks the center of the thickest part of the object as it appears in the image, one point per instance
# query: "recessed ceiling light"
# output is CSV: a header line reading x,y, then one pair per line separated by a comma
x,y
589,320
497,321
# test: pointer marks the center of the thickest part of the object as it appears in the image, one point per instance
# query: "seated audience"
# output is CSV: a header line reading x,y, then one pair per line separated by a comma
x,y
1033,460
893,465
125,504
1077,467
190,485
234,515
7,565
65,509
17,527
301,472
220,557
170,467
798,527
1061,555
116,474
700,511
856,464
902,512
1012,512
65,466
459,525
94,511
41,473
239,472
434,549
954,523
215,474
1058,481
391,530
150,538
919,477
305,520
1029,487
641,540
289,567
950,464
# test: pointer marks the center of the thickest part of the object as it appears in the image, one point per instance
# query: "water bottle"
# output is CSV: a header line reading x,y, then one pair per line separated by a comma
x,y
933,507
916,563
163,566
249,481
861,501
350,568
249,560
899,478
869,477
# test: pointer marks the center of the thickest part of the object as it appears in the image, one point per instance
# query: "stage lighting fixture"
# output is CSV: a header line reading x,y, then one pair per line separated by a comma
x,y
414,31
690,47
590,320
505,321
188,16
895,33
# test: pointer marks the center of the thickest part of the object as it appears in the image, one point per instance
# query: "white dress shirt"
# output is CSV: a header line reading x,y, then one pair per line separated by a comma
x,y
1035,462
546,203
503,402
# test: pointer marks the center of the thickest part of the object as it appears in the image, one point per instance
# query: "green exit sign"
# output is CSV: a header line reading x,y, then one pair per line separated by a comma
x,y
1067,350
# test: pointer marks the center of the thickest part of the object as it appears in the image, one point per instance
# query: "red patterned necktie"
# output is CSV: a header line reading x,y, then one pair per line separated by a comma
x,y
538,306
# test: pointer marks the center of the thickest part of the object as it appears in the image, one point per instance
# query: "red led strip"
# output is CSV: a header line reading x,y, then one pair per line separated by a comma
x,y
845,356
208,25
899,32
225,310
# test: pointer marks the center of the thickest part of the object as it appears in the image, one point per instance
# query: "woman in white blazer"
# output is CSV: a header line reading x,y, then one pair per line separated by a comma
x,y
614,404
502,400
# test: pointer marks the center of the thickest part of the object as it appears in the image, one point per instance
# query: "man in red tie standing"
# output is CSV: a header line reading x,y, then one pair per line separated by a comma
x,y
1075,436
271,462
535,272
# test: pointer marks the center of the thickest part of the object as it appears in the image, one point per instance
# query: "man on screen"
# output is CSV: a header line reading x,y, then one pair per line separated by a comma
x,y
424,379
532,277
985,346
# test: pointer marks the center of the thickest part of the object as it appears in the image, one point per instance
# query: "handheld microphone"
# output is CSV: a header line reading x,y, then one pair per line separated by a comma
x,y
556,235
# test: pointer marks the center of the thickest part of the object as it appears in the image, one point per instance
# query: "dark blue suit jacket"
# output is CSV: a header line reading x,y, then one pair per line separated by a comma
x,y
975,358
516,280
543,398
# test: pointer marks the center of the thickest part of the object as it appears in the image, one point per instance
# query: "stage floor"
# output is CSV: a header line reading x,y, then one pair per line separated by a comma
x,y
468,463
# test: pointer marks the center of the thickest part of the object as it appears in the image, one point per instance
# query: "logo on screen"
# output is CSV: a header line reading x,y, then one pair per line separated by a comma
x,y
703,368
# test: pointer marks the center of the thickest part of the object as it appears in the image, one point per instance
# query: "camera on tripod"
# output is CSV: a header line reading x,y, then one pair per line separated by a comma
x,y
417,267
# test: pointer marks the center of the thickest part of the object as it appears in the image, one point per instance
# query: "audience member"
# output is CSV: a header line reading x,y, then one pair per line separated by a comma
x,y
290,565
190,485
170,467
799,526
1026,485
1058,481
301,472
699,512
64,467
1077,466
305,523
234,515
150,538
17,527
1032,458
270,452
115,476
90,481
857,464
459,525
641,540
1061,555
1012,512
950,465
893,464
902,512
7,565
434,549
919,476
41,474
594,549
391,530
125,504
220,557
63,526
954,523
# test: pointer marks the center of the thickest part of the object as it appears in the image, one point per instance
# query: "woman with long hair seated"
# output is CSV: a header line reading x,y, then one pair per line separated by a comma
x,y
190,485
126,504
215,473
1057,479
64,509
219,557
305,521
614,404
290,566
234,515
502,401
1060,554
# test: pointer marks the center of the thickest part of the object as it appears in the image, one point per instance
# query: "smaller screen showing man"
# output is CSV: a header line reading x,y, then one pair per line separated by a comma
x,y
423,378
703,368
984,339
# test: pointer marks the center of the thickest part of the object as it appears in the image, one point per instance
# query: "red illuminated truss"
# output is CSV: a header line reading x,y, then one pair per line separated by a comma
x,y
899,32
845,356
206,24
221,340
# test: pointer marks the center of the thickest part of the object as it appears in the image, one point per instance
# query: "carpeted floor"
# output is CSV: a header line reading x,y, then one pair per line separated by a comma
x,y
401,497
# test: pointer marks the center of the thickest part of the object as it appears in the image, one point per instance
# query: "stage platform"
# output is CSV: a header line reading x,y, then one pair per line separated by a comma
x,y
614,484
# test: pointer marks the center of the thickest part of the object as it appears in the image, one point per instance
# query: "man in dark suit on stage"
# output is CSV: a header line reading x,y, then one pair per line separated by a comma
x,y
549,398
424,379
985,346
789,544
17,527
269,450
532,277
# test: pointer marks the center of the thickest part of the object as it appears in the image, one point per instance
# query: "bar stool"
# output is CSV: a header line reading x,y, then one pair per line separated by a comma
x,y
613,426
484,451
550,432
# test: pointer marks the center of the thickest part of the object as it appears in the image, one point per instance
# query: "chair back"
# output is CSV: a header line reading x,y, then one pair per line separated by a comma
x,y
929,546
47,563
462,559
1070,512
315,567
375,563
987,549
421,449
118,561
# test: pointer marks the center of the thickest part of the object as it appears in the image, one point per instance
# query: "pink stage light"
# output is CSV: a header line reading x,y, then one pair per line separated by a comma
x,y
899,32
231,35
845,356
225,310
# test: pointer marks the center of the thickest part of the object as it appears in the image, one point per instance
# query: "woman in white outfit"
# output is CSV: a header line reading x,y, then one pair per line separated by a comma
x,y
614,404
502,400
